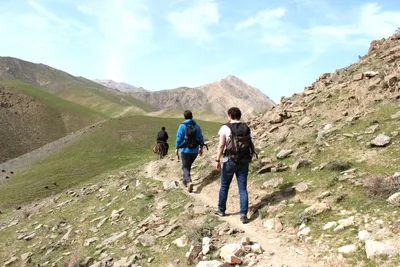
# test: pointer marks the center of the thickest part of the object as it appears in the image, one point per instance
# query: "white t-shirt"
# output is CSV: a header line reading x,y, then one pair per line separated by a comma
x,y
225,130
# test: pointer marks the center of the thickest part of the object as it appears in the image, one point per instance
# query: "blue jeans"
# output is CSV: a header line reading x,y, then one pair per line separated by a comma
x,y
229,169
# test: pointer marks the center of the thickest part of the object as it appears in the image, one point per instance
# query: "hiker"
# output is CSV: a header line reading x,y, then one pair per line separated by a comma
x,y
236,145
162,137
190,141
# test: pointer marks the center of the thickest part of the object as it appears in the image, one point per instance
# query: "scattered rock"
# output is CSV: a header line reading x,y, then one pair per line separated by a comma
x,y
181,242
88,261
161,205
396,115
124,188
324,195
358,77
10,261
278,225
338,228
317,208
230,250
170,184
347,249
146,240
284,153
274,182
305,121
372,129
102,222
301,187
89,241
26,256
269,224
213,263
193,253
114,237
116,214
347,222
394,199
381,140
375,248
304,232
256,248
232,259
301,163
329,225
363,235
370,74
206,245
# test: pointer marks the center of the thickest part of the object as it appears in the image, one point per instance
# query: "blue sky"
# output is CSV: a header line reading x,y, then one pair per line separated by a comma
x,y
278,46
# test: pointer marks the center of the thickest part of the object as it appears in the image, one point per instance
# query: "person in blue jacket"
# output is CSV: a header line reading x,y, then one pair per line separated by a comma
x,y
190,141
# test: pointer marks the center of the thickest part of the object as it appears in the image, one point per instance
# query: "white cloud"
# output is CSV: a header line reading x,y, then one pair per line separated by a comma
x,y
267,18
370,22
194,22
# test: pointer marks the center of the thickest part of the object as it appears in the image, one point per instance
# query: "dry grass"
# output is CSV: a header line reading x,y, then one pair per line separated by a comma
x,y
382,186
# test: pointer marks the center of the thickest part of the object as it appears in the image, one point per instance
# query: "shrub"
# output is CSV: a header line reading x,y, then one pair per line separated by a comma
x,y
382,186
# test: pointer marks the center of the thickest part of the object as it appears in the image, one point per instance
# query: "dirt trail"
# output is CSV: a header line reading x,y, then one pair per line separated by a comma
x,y
285,251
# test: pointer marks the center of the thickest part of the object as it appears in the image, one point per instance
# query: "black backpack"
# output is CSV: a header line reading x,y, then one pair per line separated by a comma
x,y
240,147
191,140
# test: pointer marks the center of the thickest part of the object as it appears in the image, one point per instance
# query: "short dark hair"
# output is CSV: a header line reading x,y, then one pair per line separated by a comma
x,y
235,113
163,128
188,115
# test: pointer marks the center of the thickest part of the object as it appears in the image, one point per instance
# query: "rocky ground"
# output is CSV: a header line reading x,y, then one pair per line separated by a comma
x,y
325,191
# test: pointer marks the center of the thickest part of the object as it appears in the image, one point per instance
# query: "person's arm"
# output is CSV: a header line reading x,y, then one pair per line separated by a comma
x,y
179,136
220,150
166,136
200,137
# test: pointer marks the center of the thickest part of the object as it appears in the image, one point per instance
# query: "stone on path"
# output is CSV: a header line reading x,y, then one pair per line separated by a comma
x,y
206,245
269,224
170,184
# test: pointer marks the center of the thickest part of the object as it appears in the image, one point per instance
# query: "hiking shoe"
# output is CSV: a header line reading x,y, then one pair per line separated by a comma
x,y
184,184
244,219
219,213
190,187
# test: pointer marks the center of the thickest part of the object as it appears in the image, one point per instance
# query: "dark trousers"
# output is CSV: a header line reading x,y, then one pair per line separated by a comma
x,y
187,161
229,169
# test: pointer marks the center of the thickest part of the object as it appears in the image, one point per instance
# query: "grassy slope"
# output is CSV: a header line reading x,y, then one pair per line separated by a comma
x,y
55,102
200,114
117,143
107,102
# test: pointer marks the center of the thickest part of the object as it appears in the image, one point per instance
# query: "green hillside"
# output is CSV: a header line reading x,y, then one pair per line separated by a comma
x,y
75,89
199,114
118,142
31,118
106,101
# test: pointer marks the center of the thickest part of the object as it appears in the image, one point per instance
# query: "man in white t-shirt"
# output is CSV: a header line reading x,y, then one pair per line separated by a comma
x,y
230,168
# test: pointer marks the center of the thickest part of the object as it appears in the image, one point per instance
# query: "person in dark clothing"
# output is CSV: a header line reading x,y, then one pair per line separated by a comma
x,y
162,136
190,146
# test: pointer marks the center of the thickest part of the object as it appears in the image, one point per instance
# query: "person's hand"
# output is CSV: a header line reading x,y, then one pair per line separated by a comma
x,y
176,151
201,152
218,166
